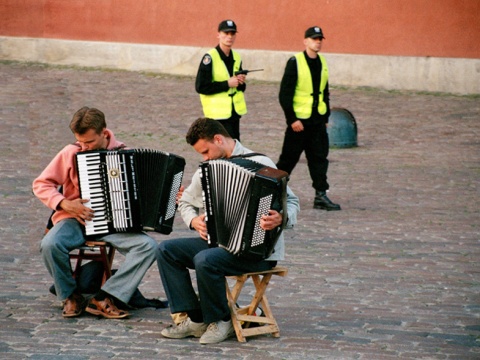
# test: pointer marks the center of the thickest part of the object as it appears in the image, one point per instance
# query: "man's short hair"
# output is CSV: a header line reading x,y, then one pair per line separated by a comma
x,y
88,118
205,129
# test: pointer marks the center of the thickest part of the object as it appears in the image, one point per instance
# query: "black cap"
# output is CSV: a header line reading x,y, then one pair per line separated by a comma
x,y
314,32
227,26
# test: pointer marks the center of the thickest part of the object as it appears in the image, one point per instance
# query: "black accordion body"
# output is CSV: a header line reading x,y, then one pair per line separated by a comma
x,y
236,193
130,190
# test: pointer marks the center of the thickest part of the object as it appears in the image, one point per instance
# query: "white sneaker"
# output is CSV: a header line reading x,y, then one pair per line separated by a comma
x,y
185,329
217,332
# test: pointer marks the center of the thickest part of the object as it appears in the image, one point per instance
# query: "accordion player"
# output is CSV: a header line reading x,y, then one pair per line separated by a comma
x,y
236,193
130,190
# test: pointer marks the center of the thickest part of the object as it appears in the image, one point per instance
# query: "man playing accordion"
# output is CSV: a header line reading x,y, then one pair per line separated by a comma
x,y
208,313
91,133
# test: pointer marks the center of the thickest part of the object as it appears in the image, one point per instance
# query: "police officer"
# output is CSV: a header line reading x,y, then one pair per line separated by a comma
x,y
221,92
304,98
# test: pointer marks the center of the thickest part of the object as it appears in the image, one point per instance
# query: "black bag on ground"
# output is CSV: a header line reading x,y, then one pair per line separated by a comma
x,y
89,282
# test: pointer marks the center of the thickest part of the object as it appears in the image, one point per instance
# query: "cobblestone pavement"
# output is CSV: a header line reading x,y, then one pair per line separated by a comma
x,y
395,274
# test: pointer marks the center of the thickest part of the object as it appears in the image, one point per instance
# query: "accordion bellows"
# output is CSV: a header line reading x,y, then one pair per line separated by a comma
x,y
130,190
236,193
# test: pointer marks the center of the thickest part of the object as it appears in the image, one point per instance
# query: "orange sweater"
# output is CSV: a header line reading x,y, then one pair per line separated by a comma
x,y
62,171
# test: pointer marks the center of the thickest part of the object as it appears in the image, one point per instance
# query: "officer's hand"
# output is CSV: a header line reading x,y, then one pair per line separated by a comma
x,y
297,126
241,79
233,81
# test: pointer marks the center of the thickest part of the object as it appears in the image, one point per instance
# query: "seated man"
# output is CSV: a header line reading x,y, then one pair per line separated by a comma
x,y
90,130
209,316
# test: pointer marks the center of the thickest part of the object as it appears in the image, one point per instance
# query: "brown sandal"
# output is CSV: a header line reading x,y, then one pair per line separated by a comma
x,y
105,308
73,306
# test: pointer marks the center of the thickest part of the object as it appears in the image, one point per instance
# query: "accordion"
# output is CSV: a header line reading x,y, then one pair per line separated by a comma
x,y
236,193
130,190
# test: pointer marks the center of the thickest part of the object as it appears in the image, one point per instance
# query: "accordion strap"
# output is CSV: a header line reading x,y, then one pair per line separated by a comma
x,y
247,155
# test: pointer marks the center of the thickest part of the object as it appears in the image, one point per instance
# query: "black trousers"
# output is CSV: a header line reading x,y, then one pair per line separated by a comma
x,y
314,141
176,256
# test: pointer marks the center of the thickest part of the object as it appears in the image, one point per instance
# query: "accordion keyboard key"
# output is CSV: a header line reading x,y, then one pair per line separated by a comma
x,y
90,165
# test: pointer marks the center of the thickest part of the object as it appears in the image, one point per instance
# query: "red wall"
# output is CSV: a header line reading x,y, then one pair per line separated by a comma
x,y
439,28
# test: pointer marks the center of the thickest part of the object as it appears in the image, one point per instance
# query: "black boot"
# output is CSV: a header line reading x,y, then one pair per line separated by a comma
x,y
323,202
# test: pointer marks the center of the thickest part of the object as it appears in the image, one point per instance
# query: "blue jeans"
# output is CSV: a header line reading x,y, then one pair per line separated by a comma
x,y
139,249
211,265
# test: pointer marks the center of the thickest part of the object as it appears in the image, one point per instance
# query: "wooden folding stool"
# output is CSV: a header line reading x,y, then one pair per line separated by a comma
x,y
91,250
96,251
244,317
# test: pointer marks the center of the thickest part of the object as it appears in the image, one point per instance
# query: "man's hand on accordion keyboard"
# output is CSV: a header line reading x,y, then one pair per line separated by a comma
x,y
198,223
179,194
271,221
77,209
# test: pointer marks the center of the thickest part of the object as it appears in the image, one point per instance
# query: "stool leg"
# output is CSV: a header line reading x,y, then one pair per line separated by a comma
x,y
103,259
78,264
232,301
261,286
111,254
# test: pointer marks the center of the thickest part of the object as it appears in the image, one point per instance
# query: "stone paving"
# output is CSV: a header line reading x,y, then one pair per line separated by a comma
x,y
395,274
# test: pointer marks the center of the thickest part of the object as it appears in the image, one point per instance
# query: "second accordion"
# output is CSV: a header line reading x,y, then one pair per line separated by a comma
x,y
236,193
130,190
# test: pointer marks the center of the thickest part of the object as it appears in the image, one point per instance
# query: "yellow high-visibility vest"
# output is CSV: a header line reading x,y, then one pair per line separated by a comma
x,y
303,98
219,106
